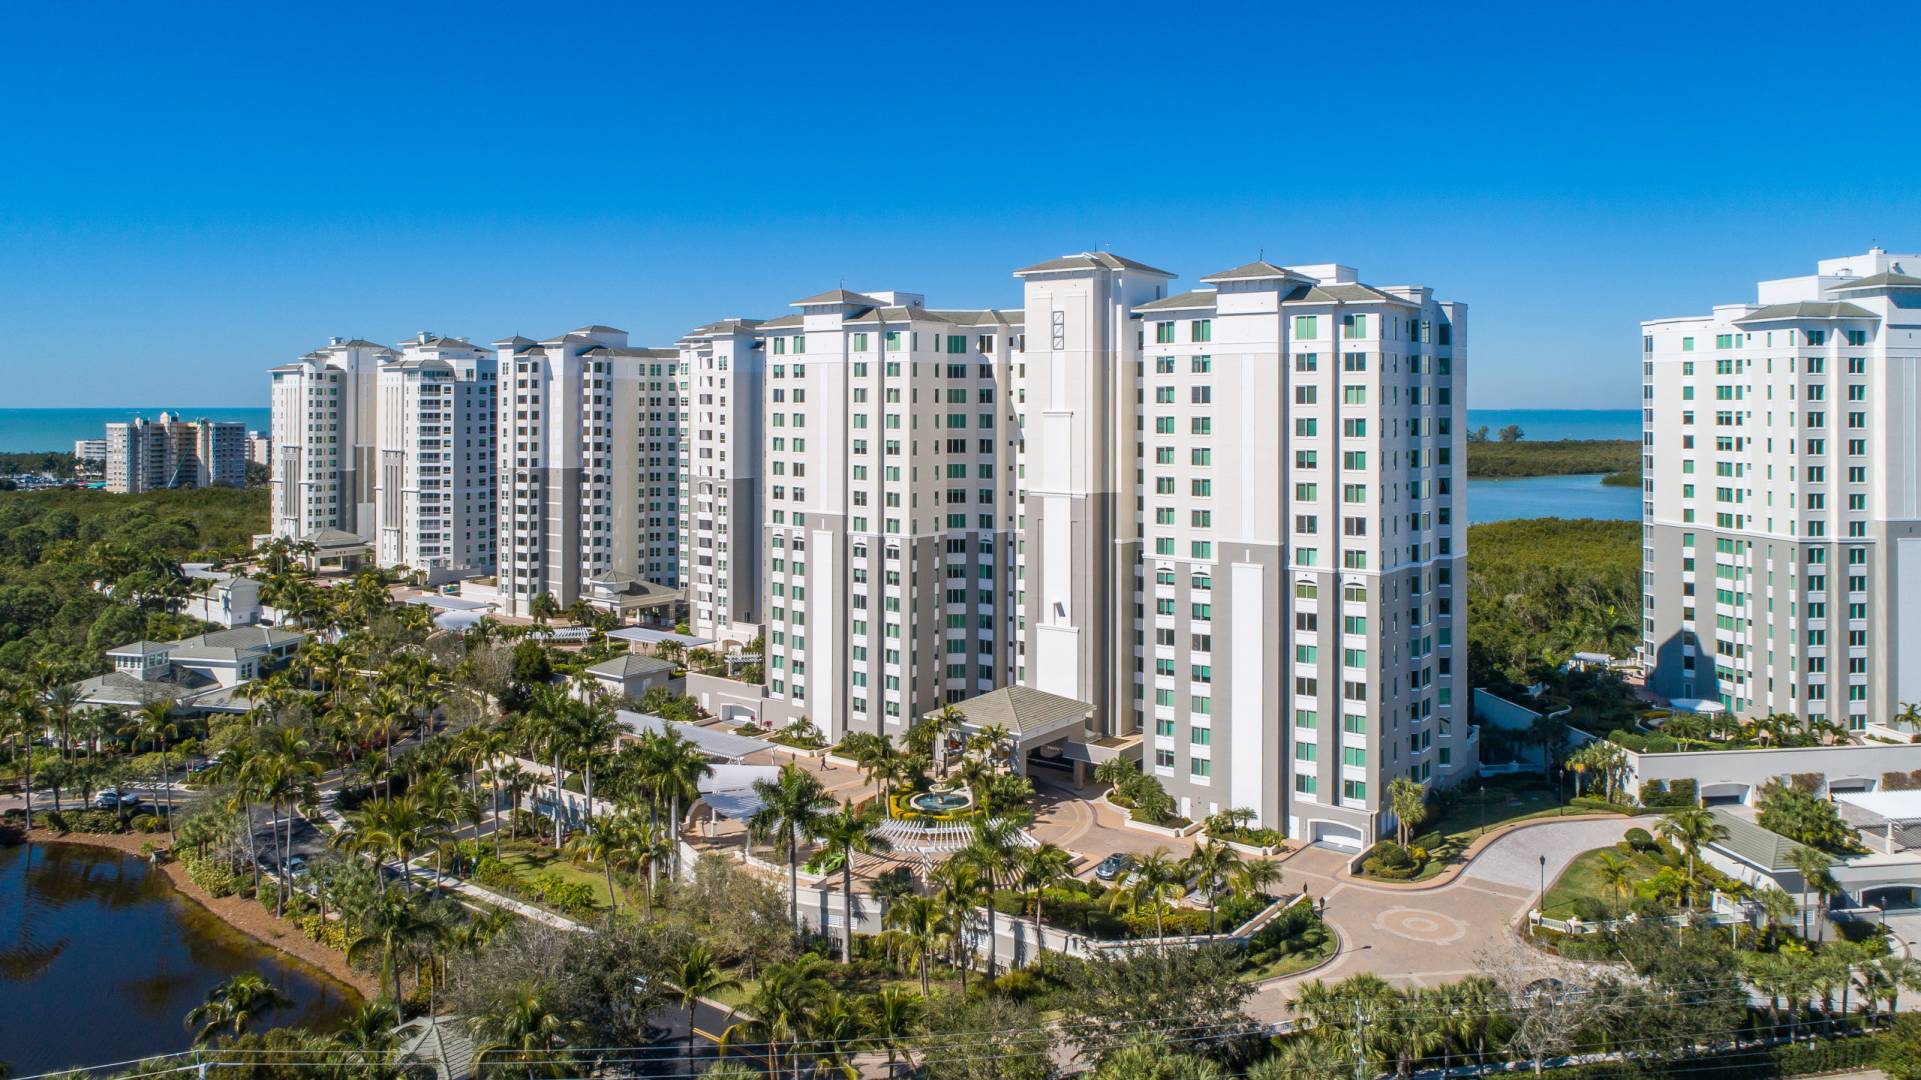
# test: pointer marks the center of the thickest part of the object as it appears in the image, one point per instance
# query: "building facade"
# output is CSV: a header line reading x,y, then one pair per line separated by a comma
x,y
589,465
1781,536
143,455
90,453
889,457
434,493
722,382
1244,537
325,441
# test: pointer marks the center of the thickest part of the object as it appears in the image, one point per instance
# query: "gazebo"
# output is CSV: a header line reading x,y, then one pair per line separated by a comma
x,y
1032,718
337,549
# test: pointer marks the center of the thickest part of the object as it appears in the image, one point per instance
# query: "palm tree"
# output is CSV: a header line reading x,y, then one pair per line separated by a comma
x,y
527,1030
1040,869
848,833
922,921
1156,879
836,1030
1257,876
893,1020
781,1005
368,1039
672,769
1813,867
393,925
992,855
1690,828
1211,867
698,975
235,1005
642,845
597,844
793,808
1407,800
1615,874
24,721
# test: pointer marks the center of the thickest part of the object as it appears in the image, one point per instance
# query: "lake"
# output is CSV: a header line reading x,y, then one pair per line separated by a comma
x,y
1580,496
101,958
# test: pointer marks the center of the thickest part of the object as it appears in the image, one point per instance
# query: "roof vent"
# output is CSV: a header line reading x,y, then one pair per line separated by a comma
x,y
333,341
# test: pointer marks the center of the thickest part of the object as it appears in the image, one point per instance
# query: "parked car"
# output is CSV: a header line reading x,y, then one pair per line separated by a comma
x,y
115,799
1113,866
296,866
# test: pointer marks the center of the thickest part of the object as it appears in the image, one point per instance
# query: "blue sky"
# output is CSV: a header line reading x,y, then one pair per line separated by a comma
x,y
192,193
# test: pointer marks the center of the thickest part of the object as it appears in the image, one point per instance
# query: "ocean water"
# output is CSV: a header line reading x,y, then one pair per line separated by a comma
x,y
31,430
1542,425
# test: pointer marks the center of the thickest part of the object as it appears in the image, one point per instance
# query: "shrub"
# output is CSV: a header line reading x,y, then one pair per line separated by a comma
x,y
1173,923
1591,802
570,897
1019,984
333,933
1388,859
216,880
1238,908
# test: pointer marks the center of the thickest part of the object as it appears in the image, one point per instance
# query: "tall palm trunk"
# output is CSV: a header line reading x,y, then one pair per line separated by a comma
x,y
793,881
558,800
847,909
253,841
166,785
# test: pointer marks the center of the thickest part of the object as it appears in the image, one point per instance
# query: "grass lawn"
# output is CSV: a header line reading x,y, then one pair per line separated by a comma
x,y
1582,878
529,861
1467,820
1291,963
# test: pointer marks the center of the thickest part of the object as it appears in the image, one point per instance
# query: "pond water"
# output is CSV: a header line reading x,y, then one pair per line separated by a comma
x,y
101,958
1580,496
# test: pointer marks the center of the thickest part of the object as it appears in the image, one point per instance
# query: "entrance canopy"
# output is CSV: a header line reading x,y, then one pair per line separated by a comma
x,y
1890,820
730,790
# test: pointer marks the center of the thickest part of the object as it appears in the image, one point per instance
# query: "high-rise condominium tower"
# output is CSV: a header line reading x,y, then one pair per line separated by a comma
x,y
721,385
589,464
435,487
324,439
1781,542
889,477
1244,536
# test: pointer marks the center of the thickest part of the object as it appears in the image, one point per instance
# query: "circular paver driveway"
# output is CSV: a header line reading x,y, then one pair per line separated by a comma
x,y
1426,937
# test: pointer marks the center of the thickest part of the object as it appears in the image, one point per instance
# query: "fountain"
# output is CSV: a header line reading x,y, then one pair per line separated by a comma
x,y
940,802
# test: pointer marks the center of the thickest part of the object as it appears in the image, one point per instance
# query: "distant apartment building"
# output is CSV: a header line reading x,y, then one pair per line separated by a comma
x,y
588,470
1781,537
721,388
889,478
169,452
90,453
259,448
434,493
325,440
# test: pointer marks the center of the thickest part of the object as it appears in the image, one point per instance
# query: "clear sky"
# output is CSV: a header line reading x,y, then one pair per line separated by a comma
x,y
190,193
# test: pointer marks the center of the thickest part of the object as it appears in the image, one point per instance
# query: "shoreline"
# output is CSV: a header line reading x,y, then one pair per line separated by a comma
x,y
240,914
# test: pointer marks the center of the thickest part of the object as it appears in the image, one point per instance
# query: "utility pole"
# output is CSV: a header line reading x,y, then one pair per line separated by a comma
x,y
1358,1043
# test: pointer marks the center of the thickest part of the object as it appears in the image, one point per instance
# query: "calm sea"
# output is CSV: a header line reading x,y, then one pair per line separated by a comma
x,y
30,430
1541,425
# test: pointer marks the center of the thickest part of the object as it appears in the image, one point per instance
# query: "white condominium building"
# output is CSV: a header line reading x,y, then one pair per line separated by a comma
x,y
1243,532
1781,539
90,452
324,439
889,461
589,463
722,369
435,493
169,452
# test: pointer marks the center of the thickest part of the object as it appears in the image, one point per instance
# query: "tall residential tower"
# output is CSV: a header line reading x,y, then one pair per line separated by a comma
x,y
324,439
1781,537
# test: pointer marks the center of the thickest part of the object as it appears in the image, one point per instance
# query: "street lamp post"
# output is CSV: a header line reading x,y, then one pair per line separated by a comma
x,y
1541,904
1483,831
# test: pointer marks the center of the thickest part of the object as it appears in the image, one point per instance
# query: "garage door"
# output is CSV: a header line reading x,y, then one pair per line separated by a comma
x,y
1335,835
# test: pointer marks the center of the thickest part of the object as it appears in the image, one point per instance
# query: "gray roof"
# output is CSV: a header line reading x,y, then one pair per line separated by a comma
x,y
116,688
1352,292
634,350
1187,301
1749,842
837,296
1808,309
723,326
337,538
597,328
231,644
630,666
1258,270
140,648
1090,260
781,323
1889,280
445,1044
1023,711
